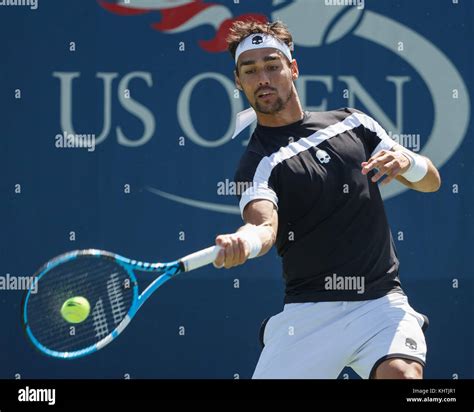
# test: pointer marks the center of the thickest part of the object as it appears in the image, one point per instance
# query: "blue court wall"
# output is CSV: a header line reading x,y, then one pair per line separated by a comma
x,y
156,89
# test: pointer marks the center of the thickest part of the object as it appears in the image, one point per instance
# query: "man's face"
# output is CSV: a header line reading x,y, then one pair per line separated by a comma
x,y
266,77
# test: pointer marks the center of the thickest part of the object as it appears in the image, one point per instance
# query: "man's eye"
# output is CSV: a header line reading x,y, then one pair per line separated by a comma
x,y
273,67
249,71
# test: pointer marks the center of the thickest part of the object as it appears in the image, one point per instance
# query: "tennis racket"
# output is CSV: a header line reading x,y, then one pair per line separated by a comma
x,y
108,282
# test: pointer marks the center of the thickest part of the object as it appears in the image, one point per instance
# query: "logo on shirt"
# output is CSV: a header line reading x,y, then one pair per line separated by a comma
x,y
323,156
410,343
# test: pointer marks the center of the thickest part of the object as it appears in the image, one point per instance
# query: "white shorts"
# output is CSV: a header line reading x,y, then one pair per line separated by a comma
x,y
317,340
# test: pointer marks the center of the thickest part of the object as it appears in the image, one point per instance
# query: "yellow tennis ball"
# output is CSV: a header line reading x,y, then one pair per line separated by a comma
x,y
76,309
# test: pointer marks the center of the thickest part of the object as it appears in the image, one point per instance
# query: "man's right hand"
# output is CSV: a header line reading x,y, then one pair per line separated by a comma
x,y
235,251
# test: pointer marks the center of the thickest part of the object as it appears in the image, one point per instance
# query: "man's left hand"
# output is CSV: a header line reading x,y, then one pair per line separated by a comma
x,y
387,163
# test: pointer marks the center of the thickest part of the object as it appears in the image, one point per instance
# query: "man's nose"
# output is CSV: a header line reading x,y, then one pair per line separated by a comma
x,y
263,79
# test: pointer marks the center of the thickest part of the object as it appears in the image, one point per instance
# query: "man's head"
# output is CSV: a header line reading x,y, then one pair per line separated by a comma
x,y
265,70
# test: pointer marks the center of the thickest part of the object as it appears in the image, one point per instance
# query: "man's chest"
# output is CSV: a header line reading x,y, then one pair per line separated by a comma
x,y
323,176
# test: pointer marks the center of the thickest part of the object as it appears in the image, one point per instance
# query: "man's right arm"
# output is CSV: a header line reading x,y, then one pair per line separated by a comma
x,y
261,217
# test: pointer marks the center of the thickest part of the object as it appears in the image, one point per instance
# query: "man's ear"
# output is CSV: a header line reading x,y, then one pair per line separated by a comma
x,y
294,70
237,81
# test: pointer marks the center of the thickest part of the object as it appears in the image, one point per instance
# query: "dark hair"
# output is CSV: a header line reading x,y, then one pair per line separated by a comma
x,y
242,29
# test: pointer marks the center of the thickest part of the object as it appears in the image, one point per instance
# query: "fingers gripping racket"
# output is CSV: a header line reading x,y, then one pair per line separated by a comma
x,y
104,282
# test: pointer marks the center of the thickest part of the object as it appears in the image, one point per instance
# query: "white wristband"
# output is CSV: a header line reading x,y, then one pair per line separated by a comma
x,y
252,238
418,167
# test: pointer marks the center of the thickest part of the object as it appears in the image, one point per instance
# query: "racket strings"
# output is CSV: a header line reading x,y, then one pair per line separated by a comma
x,y
54,327
105,284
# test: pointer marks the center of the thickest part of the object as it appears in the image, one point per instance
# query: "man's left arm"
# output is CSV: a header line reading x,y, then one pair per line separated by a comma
x,y
414,171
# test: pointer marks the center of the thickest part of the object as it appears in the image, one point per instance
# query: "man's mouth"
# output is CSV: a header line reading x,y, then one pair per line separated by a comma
x,y
265,94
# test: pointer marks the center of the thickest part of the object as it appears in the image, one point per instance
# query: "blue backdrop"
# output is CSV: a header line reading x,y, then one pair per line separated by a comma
x,y
154,85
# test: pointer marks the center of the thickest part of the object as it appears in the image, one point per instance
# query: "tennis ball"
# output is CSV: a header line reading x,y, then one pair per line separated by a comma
x,y
76,309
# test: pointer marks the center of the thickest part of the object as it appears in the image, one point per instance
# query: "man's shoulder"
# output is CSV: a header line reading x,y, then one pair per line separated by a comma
x,y
332,116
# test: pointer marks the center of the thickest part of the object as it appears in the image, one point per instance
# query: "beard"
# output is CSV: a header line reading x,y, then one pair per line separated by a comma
x,y
278,105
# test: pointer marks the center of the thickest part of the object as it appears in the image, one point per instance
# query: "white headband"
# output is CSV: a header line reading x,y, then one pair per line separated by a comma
x,y
260,41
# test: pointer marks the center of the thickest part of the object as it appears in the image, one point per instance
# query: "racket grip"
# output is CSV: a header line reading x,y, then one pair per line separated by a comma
x,y
198,259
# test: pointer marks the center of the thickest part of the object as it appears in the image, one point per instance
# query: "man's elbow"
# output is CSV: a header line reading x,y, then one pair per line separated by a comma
x,y
436,179
433,188
434,183
437,184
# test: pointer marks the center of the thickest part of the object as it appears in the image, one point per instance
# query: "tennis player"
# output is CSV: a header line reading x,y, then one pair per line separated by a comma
x,y
312,191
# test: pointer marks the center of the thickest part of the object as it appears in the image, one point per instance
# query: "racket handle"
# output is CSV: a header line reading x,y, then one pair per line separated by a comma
x,y
201,258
